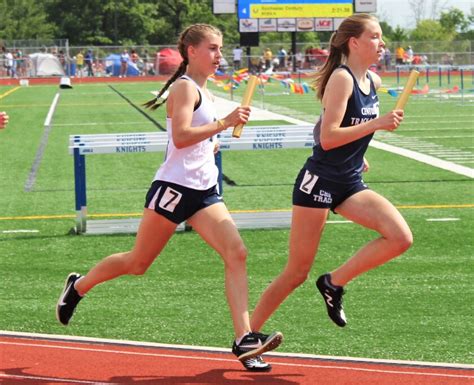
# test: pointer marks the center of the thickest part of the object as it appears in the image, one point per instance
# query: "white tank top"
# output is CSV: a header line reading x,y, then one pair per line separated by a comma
x,y
193,166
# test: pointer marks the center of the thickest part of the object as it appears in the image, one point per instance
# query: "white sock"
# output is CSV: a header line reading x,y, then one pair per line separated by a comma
x,y
82,295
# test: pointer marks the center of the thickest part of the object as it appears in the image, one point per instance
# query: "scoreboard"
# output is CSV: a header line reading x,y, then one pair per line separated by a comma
x,y
274,9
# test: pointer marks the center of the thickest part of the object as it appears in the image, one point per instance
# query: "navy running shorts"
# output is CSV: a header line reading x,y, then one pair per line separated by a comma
x,y
178,203
313,191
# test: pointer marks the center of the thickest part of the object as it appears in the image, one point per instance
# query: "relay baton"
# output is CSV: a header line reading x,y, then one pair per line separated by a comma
x,y
247,99
403,98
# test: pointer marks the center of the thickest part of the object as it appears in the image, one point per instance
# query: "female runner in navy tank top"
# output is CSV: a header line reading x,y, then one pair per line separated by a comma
x,y
331,178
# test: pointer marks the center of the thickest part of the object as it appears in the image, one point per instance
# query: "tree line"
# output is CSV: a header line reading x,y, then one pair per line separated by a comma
x,y
159,22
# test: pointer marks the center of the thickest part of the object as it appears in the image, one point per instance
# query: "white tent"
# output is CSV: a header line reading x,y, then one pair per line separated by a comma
x,y
46,64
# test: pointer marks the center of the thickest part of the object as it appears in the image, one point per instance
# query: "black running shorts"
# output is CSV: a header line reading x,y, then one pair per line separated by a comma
x,y
311,190
178,203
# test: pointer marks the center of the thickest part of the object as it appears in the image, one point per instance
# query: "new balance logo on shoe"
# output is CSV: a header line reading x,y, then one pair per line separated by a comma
x,y
328,299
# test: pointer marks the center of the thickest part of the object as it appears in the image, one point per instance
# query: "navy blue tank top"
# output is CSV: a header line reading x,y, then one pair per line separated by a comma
x,y
344,164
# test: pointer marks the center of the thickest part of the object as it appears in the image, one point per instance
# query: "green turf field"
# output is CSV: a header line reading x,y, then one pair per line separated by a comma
x,y
418,307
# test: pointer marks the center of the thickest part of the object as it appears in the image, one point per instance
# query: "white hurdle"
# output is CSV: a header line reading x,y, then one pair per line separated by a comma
x,y
253,138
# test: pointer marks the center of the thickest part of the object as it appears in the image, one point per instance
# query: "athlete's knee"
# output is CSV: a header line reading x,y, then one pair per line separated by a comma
x,y
236,257
401,240
296,277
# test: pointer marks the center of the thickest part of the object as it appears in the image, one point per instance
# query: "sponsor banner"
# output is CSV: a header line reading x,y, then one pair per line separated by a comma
x,y
267,25
323,24
248,25
286,25
305,25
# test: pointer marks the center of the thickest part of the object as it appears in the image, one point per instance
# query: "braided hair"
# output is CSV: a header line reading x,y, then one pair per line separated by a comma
x,y
191,36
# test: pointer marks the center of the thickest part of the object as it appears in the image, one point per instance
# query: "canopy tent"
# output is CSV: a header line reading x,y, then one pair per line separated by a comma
x,y
46,64
168,61
112,66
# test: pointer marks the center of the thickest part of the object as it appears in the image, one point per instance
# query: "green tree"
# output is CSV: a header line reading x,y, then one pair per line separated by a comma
x,y
24,19
431,30
454,20
399,34
387,30
176,15
102,22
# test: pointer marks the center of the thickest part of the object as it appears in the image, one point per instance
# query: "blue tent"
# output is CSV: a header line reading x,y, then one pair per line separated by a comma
x,y
112,66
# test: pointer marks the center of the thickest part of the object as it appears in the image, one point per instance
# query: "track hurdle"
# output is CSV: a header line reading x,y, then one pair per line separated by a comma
x,y
253,138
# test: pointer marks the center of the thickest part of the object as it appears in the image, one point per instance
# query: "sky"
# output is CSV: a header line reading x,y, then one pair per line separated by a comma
x,y
398,12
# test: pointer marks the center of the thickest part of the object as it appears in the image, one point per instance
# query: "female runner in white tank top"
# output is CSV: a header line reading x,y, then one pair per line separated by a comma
x,y
184,189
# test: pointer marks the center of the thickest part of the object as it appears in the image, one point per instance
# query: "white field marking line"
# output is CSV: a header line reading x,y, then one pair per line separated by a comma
x,y
442,219
442,137
438,116
42,146
52,108
100,124
408,129
141,344
431,160
68,380
338,222
449,124
19,231
313,366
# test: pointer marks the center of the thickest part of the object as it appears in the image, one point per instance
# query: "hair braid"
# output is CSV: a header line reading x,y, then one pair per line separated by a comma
x,y
191,36
153,104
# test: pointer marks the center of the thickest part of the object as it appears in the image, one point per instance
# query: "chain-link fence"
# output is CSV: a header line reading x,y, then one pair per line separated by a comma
x,y
23,60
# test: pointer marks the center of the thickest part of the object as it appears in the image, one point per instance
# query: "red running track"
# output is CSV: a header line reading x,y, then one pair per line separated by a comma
x,y
39,360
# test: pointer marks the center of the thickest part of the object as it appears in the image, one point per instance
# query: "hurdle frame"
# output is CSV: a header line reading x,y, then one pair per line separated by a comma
x,y
253,138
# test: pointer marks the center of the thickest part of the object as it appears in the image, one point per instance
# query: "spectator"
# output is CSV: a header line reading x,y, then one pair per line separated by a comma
x,y
134,56
62,60
399,55
268,56
10,64
89,60
282,58
136,60
79,63
3,119
124,58
20,63
299,59
409,54
237,52
387,59
146,63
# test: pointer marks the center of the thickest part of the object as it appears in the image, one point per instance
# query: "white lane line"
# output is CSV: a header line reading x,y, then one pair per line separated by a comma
x,y
53,379
203,358
431,160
